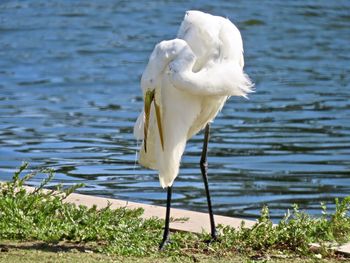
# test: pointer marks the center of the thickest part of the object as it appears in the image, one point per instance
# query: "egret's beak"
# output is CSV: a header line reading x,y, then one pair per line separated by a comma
x,y
149,98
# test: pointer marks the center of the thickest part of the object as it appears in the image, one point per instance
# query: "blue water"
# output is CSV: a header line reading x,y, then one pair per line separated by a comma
x,y
69,96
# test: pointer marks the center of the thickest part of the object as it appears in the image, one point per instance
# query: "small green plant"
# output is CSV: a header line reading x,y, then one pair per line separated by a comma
x,y
44,215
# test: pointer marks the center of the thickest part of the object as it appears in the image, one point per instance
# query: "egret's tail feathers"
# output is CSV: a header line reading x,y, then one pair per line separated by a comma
x,y
166,181
245,86
169,162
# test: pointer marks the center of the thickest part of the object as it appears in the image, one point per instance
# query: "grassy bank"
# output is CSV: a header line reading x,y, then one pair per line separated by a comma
x,y
40,225
28,252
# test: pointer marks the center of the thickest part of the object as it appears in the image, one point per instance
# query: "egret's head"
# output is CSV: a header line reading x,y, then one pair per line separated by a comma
x,y
163,53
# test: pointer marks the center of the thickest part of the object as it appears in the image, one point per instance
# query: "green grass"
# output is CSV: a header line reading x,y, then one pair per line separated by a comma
x,y
42,217
28,254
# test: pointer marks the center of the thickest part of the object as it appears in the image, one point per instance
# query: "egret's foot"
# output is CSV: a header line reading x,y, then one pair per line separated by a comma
x,y
164,243
214,238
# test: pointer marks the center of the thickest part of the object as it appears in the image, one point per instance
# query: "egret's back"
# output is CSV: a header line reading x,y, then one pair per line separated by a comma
x,y
214,40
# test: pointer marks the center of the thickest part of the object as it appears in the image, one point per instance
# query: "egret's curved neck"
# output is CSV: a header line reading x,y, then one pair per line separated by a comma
x,y
173,53
184,61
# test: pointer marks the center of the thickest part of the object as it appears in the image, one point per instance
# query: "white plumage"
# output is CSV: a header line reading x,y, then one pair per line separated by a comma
x,y
191,77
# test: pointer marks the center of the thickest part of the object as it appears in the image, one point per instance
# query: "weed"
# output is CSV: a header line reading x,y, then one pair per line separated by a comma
x,y
42,215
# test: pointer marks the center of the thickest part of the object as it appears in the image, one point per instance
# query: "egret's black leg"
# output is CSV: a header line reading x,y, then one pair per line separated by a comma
x,y
204,169
167,220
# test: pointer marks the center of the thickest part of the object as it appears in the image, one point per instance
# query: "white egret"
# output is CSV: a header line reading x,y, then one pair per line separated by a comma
x,y
185,84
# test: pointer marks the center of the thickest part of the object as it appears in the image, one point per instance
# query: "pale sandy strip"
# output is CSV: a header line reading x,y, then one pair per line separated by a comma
x,y
196,222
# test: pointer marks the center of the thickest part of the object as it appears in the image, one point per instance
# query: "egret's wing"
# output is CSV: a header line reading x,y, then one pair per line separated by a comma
x,y
217,45
223,79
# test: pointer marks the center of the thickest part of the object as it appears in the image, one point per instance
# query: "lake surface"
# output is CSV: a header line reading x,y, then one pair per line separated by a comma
x,y
69,96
